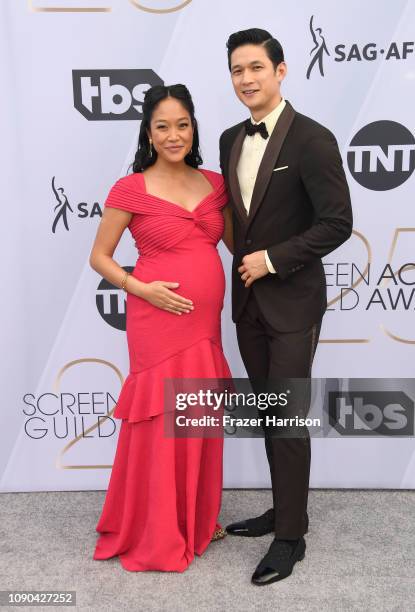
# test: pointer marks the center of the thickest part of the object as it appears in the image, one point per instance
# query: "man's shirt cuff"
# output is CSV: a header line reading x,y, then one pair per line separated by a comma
x,y
269,264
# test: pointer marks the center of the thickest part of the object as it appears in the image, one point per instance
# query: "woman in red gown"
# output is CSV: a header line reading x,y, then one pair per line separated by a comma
x,y
164,494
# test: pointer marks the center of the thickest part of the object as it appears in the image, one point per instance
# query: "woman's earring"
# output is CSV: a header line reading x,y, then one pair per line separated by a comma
x,y
151,147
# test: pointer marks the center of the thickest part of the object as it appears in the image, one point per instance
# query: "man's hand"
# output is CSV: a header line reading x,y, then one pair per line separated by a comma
x,y
253,267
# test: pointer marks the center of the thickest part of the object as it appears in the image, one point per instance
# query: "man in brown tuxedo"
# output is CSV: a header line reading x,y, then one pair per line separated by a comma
x,y
290,207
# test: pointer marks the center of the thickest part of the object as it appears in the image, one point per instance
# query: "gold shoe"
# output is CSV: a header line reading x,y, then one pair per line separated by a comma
x,y
219,534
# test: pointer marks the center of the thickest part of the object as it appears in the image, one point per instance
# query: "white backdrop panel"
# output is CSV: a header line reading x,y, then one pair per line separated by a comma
x,y
62,356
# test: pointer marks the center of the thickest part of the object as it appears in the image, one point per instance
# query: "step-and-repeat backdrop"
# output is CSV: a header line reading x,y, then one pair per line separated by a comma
x,y
73,75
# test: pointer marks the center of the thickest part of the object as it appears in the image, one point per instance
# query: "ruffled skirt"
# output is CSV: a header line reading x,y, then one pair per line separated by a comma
x,y
164,493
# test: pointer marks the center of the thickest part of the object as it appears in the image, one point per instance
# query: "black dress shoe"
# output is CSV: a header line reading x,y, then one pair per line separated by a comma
x,y
256,527
279,561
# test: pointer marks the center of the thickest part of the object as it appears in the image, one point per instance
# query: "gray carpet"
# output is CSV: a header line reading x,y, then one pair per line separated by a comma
x,y
360,556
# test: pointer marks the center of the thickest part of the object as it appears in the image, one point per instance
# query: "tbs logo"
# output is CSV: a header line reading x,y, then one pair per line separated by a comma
x,y
112,95
371,413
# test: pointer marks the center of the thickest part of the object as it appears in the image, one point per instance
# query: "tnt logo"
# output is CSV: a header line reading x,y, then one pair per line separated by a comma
x,y
382,155
112,95
111,303
371,413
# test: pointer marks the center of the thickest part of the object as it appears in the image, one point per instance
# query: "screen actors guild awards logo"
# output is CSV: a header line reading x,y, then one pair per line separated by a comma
x,y
83,210
349,52
62,206
319,49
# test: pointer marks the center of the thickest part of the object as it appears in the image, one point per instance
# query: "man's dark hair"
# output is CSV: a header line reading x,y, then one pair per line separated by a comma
x,y
255,36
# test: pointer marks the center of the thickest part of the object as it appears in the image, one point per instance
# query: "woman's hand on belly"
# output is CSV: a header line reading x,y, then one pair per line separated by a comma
x,y
160,295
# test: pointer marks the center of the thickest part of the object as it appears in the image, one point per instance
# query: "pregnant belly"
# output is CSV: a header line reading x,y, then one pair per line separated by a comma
x,y
200,275
154,333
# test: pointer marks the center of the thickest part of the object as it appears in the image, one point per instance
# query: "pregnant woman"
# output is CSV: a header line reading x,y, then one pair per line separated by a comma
x,y
164,493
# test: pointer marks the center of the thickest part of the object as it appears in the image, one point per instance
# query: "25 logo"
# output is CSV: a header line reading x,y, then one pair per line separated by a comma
x,y
396,269
148,6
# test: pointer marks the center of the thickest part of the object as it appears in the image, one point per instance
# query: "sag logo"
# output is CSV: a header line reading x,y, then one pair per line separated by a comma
x,y
381,155
353,52
62,206
111,303
62,210
111,95
363,413
319,49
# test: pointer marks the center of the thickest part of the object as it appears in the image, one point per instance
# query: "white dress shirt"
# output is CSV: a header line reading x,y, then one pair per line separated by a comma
x,y
253,148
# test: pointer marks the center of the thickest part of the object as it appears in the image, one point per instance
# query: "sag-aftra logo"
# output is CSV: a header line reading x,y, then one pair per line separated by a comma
x,y
323,50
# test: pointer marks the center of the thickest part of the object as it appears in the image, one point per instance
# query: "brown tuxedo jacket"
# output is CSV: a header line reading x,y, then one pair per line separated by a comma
x,y
300,211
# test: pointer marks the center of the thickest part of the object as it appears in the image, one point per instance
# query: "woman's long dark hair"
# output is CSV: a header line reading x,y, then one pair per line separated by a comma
x,y
152,98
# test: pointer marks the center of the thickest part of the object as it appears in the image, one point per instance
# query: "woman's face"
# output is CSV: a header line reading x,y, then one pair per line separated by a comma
x,y
171,130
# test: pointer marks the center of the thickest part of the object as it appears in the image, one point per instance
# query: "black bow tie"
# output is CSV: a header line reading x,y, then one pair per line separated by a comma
x,y
253,128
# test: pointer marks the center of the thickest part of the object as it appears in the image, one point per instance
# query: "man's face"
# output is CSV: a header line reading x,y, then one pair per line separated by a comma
x,y
254,79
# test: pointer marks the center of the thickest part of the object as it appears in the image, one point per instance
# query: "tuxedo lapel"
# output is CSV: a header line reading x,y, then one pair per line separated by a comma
x,y
270,157
233,176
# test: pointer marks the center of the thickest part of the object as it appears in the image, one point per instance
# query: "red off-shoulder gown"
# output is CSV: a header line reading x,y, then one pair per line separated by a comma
x,y
164,494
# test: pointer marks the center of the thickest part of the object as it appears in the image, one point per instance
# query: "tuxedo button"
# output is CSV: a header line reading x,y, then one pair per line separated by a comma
x,y
248,241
